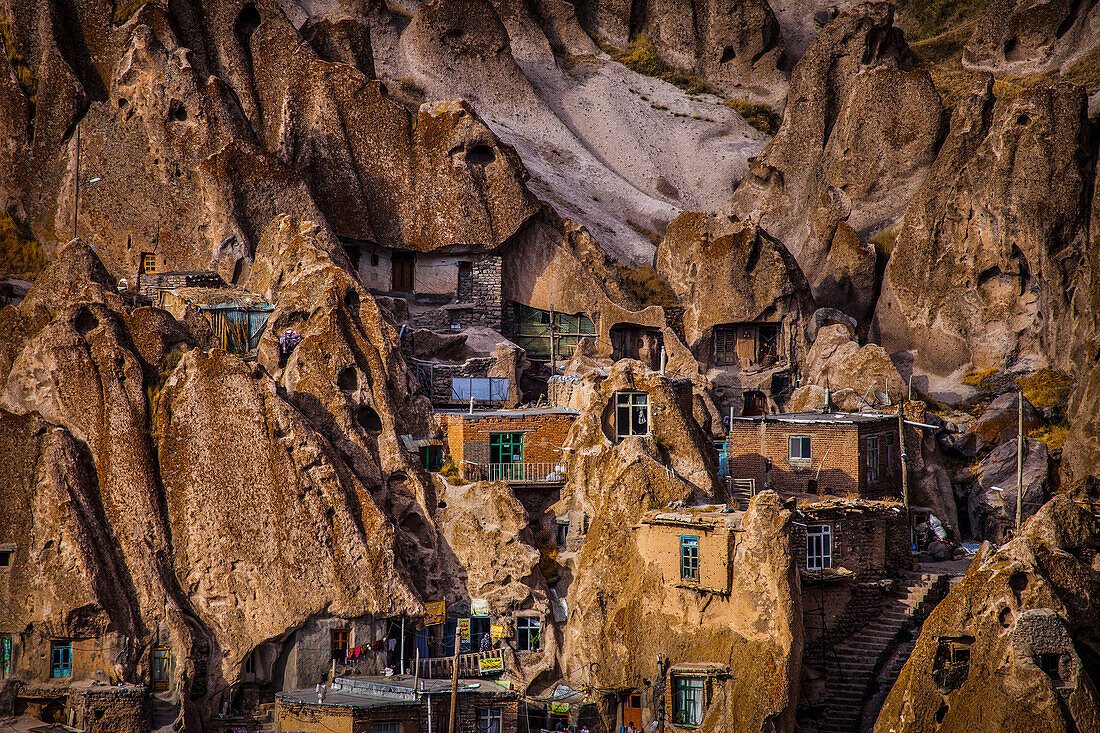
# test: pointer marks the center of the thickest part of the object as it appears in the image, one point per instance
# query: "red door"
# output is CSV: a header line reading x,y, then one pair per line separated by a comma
x,y
632,710
402,263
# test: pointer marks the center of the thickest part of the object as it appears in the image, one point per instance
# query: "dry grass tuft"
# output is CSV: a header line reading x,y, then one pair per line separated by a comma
x,y
641,56
758,115
1053,435
884,243
975,378
1046,388
23,73
126,10
645,285
20,254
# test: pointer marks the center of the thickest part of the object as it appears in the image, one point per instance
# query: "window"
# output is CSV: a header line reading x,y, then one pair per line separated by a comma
x,y
870,452
5,657
725,345
61,659
488,720
687,700
148,263
505,456
530,328
767,349
689,557
819,547
481,389
432,457
386,726
799,448
563,533
528,633
891,442
631,414
340,643
160,667
6,554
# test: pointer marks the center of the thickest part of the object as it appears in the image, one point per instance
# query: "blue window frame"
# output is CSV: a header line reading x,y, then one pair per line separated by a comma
x,y
689,557
61,659
5,657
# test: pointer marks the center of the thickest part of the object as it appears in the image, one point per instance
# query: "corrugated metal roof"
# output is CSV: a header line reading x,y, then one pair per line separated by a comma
x,y
221,299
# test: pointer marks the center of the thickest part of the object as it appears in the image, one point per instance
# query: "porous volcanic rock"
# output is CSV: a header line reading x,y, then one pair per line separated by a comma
x,y
991,503
1020,38
991,268
734,44
727,271
837,361
1026,613
1081,452
859,134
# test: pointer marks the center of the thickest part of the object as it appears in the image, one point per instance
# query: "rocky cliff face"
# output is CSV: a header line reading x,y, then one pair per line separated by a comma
x,y
1014,645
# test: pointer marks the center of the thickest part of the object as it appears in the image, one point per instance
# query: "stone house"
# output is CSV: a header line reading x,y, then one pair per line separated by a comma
x,y
692,550
845,454
517,446
392,705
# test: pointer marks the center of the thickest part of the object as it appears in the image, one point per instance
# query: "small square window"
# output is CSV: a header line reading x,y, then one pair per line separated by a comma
x,y
148,263
800,449
689,557
386,726
631,414
6,557
687,700
340,639
528,633
488,720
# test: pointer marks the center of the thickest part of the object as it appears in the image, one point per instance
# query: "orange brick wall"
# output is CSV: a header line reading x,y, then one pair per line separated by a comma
x,y
836,447
468,437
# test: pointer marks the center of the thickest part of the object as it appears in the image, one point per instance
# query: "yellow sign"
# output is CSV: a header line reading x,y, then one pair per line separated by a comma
x,y
490,664
496,631
437,613
464,629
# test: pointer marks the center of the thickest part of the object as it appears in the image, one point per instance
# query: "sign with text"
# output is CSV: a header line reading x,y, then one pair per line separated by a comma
x,y
496,631
464,629
490,664
479,607
437,613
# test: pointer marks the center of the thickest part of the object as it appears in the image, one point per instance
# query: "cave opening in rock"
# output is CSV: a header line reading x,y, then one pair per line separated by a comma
x,y
480,155
85,322
177,111
728,54
368,419
347,380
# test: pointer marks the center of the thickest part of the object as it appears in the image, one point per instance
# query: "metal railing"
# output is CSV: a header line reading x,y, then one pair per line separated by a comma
x,y
469,665
516,473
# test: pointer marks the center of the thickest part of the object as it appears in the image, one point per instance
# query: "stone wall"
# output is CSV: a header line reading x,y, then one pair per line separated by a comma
x,y
104,709
479,283
150,283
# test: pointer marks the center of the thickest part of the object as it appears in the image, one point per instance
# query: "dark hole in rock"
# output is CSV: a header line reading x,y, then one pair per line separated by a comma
x,y
728,54
348,380
1022,119
119,362
351,300
442,504
177,111
941,713
85,322
122,102
988,274
247,22
480,155
1018,583
368,419
1010,45
1005,617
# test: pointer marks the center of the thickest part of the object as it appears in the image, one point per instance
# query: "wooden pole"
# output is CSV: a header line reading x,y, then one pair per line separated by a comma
x,y
553,371
76,195
454,687
1020,466
904,471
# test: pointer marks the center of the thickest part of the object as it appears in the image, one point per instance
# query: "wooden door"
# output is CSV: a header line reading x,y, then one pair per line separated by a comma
x,y
403,264
632,710
755,404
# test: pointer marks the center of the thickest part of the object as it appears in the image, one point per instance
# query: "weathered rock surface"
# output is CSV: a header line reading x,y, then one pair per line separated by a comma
x,y
838,362
1081,453
991,268
991,503
859,134
1027,616
1021,38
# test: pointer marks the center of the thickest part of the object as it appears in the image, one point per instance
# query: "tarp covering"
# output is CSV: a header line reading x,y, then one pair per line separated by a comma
x,y
237,316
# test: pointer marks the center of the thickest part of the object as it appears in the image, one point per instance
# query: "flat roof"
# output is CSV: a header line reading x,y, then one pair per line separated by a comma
x,y
707,516
377,691
516,413
811,417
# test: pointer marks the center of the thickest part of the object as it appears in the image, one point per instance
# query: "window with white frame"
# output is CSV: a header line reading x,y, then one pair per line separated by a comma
x,y
819,547
385,726
870,458
528,633
488,720
631,414
799,448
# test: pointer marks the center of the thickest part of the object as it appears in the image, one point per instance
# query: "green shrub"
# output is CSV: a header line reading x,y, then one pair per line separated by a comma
x,y
641,56
758,115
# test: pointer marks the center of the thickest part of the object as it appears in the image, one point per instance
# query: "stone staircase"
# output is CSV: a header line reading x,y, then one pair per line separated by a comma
x,y
163,713
861,667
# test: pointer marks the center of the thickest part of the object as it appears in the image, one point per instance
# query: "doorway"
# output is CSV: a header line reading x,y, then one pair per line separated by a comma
x,y
632,710
755,404
403,264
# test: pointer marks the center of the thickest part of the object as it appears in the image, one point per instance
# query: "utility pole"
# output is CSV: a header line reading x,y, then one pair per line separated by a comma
x,y
904,471
1020,466
454,687
553,360
76,194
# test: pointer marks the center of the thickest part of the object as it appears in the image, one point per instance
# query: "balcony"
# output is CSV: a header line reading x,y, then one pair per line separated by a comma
x,y
516,473
469,665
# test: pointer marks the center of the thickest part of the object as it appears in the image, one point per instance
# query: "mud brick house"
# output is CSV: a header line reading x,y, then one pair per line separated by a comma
x,y
517,446
151,282
692,549
847,551
392,705
844,454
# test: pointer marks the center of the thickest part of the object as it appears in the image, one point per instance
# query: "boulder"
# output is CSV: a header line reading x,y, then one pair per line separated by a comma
x,y
837,361
1081,452
991,504
991,267
858,137
1019,38
1000,421
1013,645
